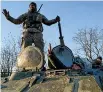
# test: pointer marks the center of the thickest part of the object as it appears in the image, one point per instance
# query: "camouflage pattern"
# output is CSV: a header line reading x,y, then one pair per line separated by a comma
x,y
52,81
32,28
32,37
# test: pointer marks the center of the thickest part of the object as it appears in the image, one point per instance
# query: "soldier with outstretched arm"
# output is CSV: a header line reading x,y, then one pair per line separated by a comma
x,y
32,26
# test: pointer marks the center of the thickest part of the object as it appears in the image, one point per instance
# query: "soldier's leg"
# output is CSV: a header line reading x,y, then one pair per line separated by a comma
x,y
26,40
38,41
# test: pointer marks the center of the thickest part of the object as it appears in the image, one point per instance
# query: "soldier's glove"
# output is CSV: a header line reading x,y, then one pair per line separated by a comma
x,y
6,13
57,18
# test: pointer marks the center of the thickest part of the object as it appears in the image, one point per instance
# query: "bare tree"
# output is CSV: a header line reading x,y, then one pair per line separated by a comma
x,y
90,42
9,52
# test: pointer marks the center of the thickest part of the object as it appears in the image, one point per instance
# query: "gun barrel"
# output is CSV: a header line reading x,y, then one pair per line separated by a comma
x,y
40,7
61,37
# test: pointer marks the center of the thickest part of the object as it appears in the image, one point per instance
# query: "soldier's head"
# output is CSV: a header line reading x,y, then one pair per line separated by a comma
x,y
99,59
32,6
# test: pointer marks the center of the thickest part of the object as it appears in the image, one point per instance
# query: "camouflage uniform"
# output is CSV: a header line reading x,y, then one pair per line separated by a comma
x,y
32,28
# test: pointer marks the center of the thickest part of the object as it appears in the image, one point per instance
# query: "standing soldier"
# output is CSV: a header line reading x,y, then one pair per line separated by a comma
x,y
32,26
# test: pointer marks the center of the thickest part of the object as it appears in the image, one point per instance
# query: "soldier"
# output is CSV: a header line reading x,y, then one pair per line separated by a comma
x,y
32,26
97,62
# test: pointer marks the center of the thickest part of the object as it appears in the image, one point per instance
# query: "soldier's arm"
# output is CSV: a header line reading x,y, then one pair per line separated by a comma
x,y
48,22
19,20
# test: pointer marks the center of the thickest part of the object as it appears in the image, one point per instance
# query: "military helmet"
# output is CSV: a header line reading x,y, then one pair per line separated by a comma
x,y
33,3
99,57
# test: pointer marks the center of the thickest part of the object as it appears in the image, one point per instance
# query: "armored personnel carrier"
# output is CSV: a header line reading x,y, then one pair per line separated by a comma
x,y
66,73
